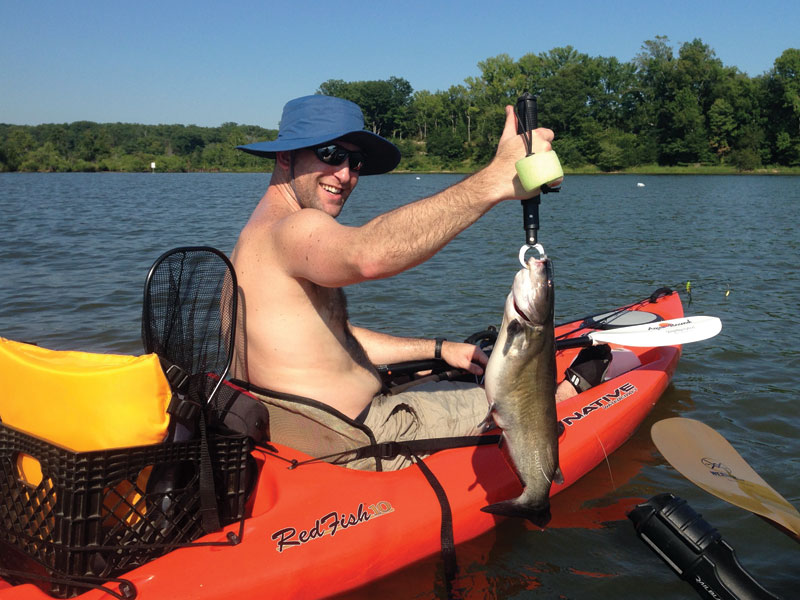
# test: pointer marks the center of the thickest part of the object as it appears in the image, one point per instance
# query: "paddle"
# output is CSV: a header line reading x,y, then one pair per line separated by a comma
x,y
673,332
662,333
708,460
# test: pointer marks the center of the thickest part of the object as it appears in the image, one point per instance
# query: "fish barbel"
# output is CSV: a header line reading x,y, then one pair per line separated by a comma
x,y
521,387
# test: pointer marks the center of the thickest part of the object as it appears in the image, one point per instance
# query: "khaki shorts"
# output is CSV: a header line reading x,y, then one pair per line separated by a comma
x,y
430,410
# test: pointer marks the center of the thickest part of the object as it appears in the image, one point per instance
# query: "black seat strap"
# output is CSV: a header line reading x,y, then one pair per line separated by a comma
x,y
447,537
209,509
185,408
388,450
180,407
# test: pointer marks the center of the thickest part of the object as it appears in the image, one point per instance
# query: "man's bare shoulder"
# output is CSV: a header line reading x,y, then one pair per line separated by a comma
x,y
289,226
305,220
260,233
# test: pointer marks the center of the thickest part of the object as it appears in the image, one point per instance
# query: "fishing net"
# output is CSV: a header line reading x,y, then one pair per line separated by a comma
x,y
189,310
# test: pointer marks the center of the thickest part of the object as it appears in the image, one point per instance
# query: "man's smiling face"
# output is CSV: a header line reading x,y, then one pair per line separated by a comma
x,y
320,185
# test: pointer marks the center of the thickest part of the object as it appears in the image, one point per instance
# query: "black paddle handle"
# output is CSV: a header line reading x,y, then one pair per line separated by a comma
x,y
527,114
577,342
412,366
527,120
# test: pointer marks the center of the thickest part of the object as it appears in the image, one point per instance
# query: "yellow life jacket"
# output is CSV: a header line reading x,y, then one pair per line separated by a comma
x,y
83,401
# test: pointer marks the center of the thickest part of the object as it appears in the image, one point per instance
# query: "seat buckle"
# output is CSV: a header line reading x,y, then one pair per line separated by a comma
x,y
183,409
178,378
387,450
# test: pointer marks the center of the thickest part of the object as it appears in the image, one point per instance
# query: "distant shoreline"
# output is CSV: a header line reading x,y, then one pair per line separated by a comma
x,y
650,170
647,170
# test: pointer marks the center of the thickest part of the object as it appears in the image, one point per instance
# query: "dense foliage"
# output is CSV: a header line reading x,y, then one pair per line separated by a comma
x,y
657,109
87,146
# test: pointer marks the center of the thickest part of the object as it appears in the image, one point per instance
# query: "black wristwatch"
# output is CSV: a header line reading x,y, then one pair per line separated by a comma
x,y
437,353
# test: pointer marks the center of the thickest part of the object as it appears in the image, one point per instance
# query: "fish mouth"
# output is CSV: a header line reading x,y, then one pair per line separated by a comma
x,y
531,298
548,266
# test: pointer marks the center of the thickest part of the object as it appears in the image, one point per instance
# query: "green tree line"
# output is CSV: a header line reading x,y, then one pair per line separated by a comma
x,y
665,107
88,146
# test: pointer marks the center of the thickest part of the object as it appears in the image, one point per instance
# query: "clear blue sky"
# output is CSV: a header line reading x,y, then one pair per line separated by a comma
x,y
207,63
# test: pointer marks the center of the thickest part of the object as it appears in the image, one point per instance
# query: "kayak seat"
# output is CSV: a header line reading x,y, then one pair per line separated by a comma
x,y
189,320
589,367
597,364
311,427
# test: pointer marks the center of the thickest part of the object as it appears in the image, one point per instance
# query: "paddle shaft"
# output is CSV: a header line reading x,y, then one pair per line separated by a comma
x,y
693,329
576,342
414,366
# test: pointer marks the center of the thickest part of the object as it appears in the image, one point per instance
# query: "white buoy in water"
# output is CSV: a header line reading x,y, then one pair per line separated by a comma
x,y
640,184
417,177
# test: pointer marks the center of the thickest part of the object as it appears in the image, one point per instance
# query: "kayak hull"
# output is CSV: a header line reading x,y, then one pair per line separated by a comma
x,y
320,529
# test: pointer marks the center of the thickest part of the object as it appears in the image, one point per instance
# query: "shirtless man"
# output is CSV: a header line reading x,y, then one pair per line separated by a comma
x,y
293,257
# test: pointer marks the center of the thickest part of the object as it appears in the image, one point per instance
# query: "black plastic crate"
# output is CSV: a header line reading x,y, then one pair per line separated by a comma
x,y
95,515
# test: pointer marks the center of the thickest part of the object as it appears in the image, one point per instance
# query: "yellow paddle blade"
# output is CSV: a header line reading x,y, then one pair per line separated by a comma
x,y
707,459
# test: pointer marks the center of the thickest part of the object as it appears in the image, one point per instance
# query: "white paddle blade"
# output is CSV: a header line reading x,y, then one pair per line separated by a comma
x,y
663,333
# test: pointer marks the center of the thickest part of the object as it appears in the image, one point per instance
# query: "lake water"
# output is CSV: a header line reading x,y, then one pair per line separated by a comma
x,y
75,248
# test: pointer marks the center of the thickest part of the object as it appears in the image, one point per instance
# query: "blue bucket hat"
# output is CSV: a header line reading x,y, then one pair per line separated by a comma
x,y
314,120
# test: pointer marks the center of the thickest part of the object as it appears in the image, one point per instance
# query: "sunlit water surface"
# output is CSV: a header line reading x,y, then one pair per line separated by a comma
x,y
75,249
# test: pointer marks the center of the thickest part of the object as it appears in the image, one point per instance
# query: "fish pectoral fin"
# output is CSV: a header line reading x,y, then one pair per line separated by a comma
x,y
558,476
488,421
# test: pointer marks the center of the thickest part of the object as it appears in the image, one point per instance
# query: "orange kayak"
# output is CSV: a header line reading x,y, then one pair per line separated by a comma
x,y
321,529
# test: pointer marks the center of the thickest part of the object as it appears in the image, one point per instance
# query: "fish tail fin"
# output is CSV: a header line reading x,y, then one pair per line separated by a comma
x,y
538,515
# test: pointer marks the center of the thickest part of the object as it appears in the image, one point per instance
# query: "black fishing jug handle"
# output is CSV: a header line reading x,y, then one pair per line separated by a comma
x,y
527,120
527,114
692,548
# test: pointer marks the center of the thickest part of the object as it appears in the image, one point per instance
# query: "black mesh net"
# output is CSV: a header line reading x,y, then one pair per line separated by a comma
x,y
189,310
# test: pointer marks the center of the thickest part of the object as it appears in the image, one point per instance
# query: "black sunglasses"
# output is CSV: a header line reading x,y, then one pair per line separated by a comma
x,y
333,154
